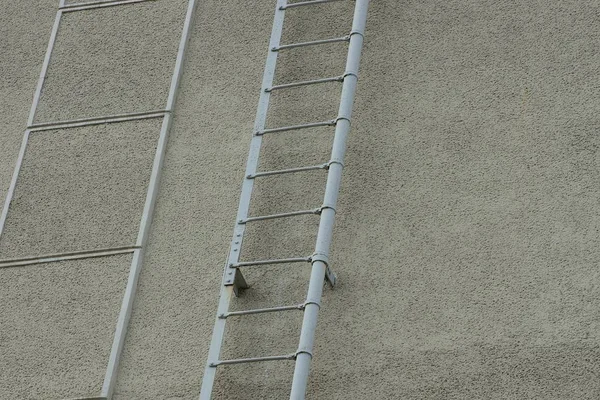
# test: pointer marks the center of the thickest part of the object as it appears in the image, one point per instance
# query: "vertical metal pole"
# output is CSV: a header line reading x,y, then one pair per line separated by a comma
x,y
138,255
44,72
229,275
34,105
320,259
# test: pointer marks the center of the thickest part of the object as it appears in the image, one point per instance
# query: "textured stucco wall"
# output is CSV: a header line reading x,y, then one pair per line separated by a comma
x,y
466,241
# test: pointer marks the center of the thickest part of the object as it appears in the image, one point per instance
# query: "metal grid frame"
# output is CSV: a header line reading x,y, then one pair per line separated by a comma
x,y
146,219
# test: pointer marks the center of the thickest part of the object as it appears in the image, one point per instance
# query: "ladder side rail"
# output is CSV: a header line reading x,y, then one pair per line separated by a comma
x,y
324,236
110,377
32,112
231,276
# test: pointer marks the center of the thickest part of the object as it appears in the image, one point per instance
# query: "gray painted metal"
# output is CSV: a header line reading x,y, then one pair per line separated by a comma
x,y
137,250
34,105
254,359
76,255
271,261
136,264
281,215
288,171
97,4
305,83
324,236
262,310
107,119
13,181
296,127
307,3
311,43
231,273
319,260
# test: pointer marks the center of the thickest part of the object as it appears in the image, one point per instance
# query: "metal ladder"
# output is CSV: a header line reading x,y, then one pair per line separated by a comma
x,y
137,249
233,280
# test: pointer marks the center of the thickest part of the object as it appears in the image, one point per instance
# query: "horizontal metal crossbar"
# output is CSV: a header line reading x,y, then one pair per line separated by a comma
x,y
288,171
97,4
76,255
273,261
315,211
73,123
261,311
311,43
305,83
297,127
253,360
90,398
306,3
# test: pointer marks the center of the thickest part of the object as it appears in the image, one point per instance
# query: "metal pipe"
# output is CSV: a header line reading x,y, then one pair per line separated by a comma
x,y
319,266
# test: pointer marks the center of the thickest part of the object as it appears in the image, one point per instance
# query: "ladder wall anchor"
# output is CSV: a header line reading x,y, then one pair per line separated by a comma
x,y
330,276
234,277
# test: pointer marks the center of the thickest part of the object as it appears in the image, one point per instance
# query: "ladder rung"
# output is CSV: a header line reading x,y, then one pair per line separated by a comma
x,y
261,311
306,3
305,83
288,171
253,360
273,261
281,215
296,127
311,43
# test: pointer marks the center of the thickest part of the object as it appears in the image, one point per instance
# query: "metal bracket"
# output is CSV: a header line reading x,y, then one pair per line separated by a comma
x,y
330,276
239,283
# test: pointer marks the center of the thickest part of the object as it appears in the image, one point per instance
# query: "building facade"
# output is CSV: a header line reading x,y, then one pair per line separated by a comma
x,y
466,241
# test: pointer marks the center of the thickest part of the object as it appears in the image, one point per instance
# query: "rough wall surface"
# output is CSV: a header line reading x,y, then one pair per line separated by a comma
x,y
56,324
466,242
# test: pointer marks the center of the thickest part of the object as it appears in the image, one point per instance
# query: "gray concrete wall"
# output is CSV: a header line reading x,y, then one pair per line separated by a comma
x,y
466,242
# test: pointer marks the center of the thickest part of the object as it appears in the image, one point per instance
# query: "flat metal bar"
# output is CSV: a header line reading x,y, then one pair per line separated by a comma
x,y
297,127
74,123
314,211
98,4
75,255
44,71
229,273
332,189
261,311
305,83
110,376
272,261
308,3
13,182
253,360
311,43
288,171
